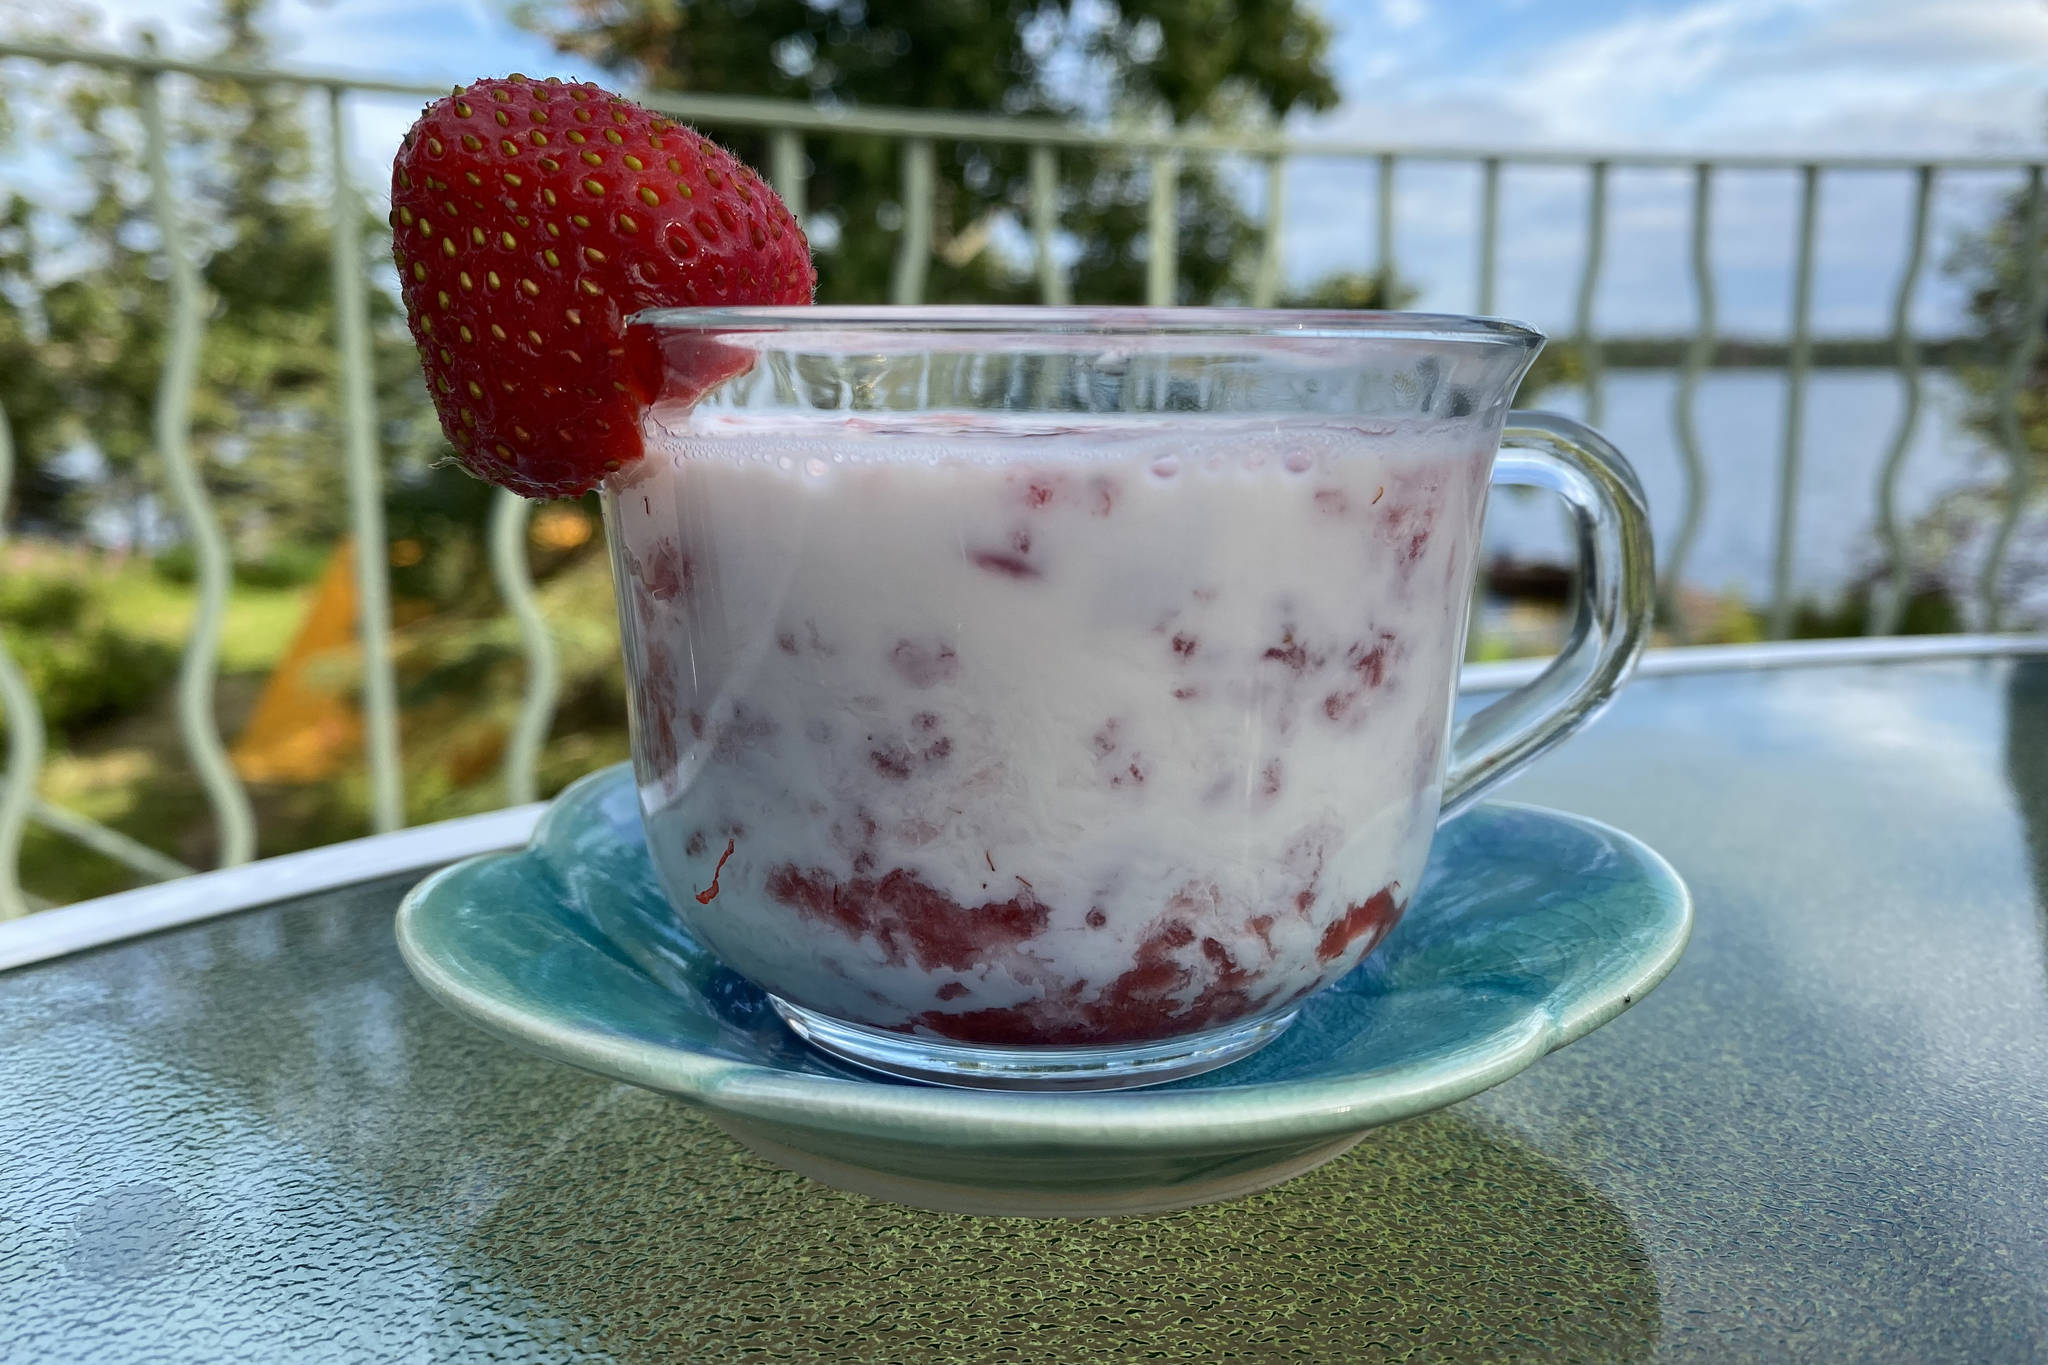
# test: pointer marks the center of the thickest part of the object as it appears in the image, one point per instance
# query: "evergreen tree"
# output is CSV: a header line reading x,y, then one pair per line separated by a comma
x,y
1994,266
84,310
1241,63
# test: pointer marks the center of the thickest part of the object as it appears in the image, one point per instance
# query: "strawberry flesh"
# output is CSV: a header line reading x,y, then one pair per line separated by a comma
x,y
529,220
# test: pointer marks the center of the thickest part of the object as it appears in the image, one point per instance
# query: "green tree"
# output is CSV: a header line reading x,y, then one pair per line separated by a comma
x,y
266,413
1993,265
1241,63
1351,289
84,309
87,317
34,405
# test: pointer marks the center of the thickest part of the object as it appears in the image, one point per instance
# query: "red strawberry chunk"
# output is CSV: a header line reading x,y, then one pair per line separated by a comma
x,y
529,219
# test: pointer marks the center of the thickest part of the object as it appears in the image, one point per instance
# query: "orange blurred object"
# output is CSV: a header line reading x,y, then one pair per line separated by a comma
x,y
560,528
306,725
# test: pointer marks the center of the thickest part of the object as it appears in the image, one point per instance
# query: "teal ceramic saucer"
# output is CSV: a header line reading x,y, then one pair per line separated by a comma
x,y
1530,929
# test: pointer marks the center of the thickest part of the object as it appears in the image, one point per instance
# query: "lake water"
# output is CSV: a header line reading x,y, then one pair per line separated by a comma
x,y
1849,423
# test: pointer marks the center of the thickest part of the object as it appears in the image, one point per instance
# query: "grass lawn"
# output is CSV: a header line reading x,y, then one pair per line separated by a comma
x,y
256,630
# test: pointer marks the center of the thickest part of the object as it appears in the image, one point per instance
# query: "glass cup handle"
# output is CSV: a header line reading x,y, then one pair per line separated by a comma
x,y
1616,591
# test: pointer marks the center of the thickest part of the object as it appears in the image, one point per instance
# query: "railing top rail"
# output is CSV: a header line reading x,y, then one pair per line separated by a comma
x,y
769,113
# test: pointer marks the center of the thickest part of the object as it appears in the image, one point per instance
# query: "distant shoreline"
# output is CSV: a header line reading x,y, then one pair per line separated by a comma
x,y
1756,353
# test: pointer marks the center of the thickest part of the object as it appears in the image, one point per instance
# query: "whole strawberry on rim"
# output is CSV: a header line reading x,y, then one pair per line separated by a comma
x,y
529,219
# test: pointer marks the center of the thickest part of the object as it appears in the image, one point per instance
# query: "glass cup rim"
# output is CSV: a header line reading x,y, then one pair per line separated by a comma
x,y
1027,320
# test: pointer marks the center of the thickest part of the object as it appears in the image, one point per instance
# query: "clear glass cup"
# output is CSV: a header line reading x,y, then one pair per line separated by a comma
x,y
1054,698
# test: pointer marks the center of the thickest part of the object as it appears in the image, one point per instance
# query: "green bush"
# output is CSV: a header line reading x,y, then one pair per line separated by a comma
x,y
80,677
80,668
41,601
286,566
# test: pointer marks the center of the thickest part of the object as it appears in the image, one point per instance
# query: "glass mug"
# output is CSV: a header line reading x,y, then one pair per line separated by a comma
x,y
1055,698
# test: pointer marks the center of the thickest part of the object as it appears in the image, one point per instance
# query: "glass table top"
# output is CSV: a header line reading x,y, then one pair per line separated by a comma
x,y
1824,1137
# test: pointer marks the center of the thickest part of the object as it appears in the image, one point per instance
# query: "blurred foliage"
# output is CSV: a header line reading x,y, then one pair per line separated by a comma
x,y
462,678
1351,289
283,566
1930,609
100,637
1995,267
84,313
83,665
1561,364
1133,63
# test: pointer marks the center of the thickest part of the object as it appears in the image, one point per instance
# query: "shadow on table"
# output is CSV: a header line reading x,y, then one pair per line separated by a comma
x,y
650,1236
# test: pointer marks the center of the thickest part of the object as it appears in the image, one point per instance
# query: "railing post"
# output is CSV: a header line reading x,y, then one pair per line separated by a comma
x,y
914,248
200,665
1889,604
1053,286
2012,432
1162,265
1699,353
365,486
1589,284
1489,232
1489,240
24,732
1799,363
786,169
1266,285
1384,205
514,576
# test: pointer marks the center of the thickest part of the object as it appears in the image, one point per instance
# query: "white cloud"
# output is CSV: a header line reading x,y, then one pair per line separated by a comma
x,y
1813,74
1644,58
1918,34
1921,77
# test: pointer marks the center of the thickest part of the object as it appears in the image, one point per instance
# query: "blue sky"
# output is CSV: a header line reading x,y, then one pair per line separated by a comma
x,y
1919,76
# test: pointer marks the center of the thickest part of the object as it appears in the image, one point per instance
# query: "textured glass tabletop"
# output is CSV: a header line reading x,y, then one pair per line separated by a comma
x,y
1824,1137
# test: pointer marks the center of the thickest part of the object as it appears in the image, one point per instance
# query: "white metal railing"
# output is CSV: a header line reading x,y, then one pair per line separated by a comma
x,y
917,134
